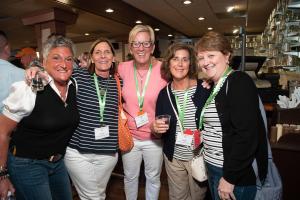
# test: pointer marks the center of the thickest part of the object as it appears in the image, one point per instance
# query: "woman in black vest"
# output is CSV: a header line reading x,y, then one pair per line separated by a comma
x,y
44,122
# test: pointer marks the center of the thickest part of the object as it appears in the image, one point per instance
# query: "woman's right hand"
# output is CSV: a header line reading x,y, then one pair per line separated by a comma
x,y
159,126
32,71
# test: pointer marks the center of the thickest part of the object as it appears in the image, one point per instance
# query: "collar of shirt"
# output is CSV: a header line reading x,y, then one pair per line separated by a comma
x,y
53,86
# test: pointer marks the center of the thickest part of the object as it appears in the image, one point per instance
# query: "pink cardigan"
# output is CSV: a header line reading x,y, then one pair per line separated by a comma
x,y
131,106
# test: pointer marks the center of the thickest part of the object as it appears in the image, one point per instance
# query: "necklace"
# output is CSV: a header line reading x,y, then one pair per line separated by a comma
x,y
141,76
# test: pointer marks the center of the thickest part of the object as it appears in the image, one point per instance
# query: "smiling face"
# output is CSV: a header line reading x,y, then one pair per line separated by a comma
x,y
180,64
103,57
142,54
213,63
59,64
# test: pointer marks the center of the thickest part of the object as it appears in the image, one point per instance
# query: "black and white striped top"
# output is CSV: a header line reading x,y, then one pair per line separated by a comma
x,y
212,136
182,152
88,105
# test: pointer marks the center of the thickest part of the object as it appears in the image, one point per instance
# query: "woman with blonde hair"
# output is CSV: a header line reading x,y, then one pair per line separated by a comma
x,y
142,82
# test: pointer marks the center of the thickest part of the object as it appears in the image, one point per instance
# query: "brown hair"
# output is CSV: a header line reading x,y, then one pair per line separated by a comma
x,y
91,67
170,53
214,41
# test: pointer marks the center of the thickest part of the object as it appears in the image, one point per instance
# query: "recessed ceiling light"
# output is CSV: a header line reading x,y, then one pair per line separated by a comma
x,y
230,8
201,18
109,10
236,30
170,35
138,22
86,34
210,28
187,2
156,29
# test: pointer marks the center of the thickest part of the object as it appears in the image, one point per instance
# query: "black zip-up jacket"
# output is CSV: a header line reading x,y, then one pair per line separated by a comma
x,y
163,106
244,137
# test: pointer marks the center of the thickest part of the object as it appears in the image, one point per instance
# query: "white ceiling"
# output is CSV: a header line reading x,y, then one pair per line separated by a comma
x,y
169,15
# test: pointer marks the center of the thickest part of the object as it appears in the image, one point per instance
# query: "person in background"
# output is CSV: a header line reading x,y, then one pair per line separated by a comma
x,y
44,120
233,129
26,55
84,60
93,149
8,72
142,82
187,95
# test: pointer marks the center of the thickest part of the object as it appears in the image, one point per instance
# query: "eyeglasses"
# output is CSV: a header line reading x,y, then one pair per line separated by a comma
x,y
136,44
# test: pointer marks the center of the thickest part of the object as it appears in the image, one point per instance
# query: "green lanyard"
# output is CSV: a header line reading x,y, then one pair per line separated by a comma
x,y
101,98
139,95
181,111
214,93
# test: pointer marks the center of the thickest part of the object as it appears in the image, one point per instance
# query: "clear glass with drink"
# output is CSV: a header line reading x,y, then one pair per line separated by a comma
x,y
165,118
37,83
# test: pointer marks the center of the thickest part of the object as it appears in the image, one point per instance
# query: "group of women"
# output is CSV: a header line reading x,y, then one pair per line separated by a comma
x,y
74,119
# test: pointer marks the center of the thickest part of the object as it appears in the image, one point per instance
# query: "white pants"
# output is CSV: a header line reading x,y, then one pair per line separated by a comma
x,y
151,152
90,173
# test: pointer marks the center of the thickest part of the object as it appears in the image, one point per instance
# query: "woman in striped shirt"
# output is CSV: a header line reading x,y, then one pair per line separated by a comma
x,y
234,133
186,94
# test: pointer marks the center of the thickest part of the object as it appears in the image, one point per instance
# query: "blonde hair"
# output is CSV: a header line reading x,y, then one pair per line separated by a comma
x,y
141,28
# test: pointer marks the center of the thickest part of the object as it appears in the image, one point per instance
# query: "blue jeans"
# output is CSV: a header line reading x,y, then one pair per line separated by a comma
x,y
240,192
39,179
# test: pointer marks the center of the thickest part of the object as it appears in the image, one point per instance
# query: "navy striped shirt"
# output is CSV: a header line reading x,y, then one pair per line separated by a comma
x,y
88,105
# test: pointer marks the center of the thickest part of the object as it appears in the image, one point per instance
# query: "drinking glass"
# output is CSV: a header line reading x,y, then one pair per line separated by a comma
x,y
165,118
37,83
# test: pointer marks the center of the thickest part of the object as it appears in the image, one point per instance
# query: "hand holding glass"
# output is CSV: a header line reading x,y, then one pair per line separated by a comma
x,y
37,83
165,119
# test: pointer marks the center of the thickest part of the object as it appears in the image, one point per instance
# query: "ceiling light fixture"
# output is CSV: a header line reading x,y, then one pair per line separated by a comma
x,y
201,18
157,29
235,31
187,2
86,34
138,22
109,10
210,28
170,35
230,8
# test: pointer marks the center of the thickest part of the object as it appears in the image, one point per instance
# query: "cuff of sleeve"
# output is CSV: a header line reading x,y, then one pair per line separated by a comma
x,y
11,116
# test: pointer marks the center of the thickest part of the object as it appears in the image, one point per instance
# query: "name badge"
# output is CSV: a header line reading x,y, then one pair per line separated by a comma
x,y
101,132
141,120
185,139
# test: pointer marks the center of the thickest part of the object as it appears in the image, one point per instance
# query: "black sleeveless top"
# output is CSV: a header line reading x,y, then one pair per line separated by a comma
x,y
47,130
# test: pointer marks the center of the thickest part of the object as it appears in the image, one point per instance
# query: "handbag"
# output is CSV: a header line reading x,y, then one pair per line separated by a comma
x,y
198,167
199,171
271,187
125,139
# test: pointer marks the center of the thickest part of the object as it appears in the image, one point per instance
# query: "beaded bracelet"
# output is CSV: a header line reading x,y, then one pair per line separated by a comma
x,y
4,177
3,168
3,173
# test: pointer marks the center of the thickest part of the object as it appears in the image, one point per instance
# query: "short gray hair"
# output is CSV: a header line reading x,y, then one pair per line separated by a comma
x,y
57,41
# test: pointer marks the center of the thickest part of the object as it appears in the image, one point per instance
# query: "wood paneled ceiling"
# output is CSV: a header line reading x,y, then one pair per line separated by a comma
x,y
170,16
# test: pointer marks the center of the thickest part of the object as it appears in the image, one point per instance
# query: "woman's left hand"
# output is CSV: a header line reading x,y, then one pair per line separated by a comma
x,y
225,190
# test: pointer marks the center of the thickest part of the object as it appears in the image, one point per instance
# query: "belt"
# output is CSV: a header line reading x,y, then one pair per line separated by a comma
x,y
52,159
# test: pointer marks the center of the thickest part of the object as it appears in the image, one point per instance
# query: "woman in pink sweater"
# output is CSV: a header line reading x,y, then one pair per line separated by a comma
x,y
142,82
